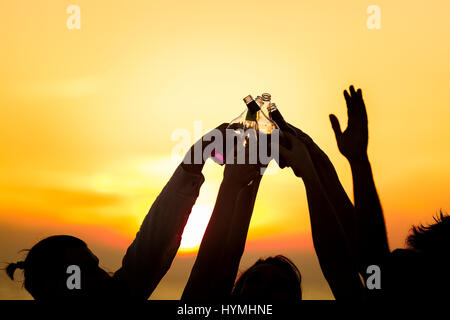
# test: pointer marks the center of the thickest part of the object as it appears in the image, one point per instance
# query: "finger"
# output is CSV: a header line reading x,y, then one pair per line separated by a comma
x,y
348,101
336,126
352,91
347,97
359,93
361,108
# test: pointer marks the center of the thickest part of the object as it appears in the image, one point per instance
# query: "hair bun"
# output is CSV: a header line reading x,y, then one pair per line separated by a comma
x,y
11,268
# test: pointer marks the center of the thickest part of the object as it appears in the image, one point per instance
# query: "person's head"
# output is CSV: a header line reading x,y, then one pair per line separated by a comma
x,y
433,239
275,278
421,270
46,269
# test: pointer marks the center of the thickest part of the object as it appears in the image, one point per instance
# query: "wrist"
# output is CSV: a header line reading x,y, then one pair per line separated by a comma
x,y
361,159
193,168
231,188
236,182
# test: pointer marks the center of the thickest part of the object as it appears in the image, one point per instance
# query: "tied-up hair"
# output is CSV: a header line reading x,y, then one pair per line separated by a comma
x,y
44,261
12,267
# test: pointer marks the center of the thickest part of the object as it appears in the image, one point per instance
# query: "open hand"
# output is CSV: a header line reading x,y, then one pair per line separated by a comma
x,y
352,143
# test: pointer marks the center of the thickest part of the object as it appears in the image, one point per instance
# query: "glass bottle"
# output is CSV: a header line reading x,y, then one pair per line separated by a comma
x,y
276,116
265,123
259,101
246,119
266,97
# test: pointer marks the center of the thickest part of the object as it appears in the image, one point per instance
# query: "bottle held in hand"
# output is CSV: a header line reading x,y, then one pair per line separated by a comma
x,y
246,119
257,118
265,99
278,118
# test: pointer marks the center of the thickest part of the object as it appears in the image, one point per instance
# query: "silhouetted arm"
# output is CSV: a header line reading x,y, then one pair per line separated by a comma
x,y
330,242
334,190
237,236
353,145
150,255
214,272
370,214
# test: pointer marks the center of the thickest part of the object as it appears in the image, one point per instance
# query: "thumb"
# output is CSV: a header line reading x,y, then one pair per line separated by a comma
x,y
336,126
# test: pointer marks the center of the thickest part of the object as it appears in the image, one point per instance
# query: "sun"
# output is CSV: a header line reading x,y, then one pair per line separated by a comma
x,y
195,228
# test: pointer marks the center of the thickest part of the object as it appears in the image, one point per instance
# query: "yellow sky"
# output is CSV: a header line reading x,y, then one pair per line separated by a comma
x,y
86,116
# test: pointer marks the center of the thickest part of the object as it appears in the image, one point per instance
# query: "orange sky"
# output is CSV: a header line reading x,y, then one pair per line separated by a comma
x,y
87,115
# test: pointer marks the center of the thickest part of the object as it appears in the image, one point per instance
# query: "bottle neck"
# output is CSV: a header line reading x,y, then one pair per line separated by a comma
x,y
251,116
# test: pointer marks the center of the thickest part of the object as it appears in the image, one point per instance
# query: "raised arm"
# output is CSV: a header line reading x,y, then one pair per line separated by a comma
x,y
353,144
150,255
330,241
336,194
216,266
237,234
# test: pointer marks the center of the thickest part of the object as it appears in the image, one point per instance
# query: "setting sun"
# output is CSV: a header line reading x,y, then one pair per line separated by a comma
x,y
195,228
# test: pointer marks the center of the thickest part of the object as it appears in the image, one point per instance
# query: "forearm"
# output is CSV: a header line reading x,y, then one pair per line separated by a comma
x,y
339,200
331,245
371,225
237,236
211,248
150,255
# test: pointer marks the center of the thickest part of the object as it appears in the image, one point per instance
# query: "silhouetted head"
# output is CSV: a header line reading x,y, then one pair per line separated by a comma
x,y
433,239
46,269
421,270
275,278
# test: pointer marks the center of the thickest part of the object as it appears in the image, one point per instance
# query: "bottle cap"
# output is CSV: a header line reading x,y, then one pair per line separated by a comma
x,y
259,100
272,107
266,96
248,99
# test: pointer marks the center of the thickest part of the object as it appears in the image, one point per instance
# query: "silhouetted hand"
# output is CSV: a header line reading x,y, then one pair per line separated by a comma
x,y
297,156
241,175
352,143
316,153
195,160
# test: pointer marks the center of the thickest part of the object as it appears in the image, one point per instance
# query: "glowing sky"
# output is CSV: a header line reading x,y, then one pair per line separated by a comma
x,y
86,116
